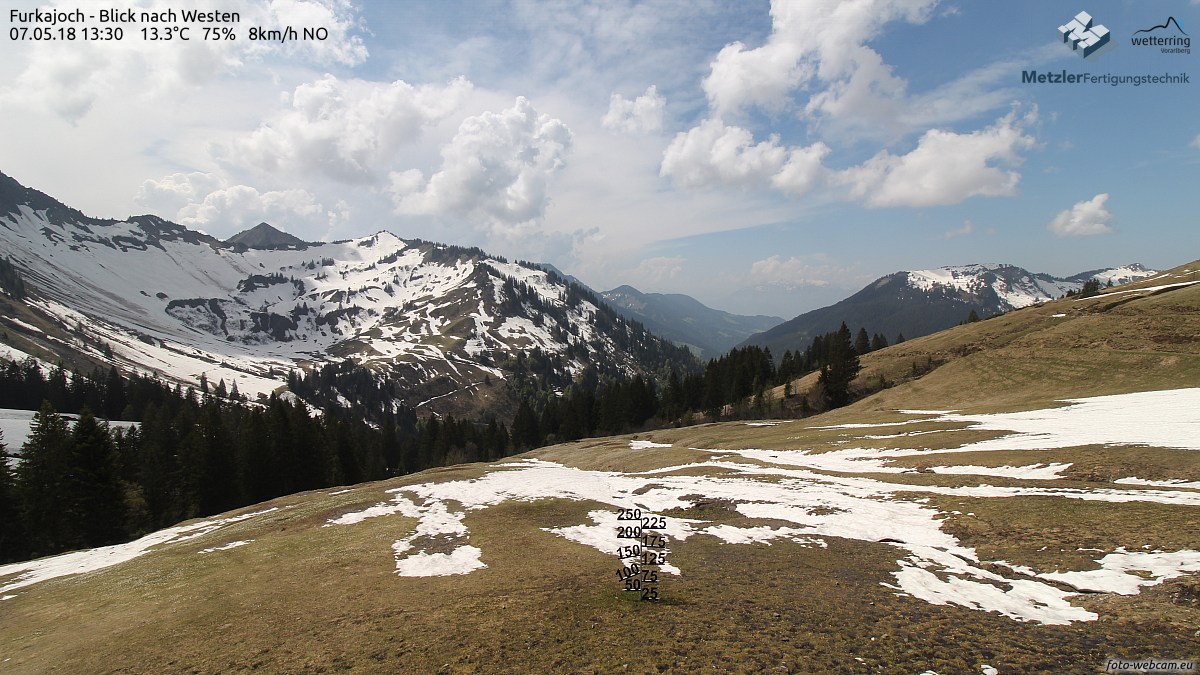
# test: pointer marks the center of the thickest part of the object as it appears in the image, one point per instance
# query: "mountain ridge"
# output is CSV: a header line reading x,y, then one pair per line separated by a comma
x,y
686,321
450,324
920,302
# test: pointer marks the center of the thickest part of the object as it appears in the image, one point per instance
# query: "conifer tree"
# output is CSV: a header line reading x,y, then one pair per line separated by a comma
x,y
96,500
42,480
840,370
862,343
114,394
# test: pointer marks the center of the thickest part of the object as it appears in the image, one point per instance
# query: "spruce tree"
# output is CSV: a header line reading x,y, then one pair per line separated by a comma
x,y
862,343
96,501
43,481
840,370
114,395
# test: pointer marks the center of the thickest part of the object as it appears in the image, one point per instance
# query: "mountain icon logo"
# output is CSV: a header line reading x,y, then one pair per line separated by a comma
x,y
1166,24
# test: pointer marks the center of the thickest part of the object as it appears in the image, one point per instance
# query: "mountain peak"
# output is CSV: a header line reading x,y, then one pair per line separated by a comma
x,y
265,236
624,289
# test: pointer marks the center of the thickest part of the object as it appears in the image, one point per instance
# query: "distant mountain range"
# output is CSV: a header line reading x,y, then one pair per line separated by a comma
x,y
686,321
920,302
446,325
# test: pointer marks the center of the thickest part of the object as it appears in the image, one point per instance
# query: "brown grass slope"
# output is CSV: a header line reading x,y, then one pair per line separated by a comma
x,y
306,598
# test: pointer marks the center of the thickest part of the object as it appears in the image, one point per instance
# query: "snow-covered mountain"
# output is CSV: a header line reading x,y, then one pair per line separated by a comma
x,y
149,294
998,287
919,302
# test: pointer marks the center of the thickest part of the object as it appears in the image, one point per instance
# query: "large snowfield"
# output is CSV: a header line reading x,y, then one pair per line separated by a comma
x,y
836,494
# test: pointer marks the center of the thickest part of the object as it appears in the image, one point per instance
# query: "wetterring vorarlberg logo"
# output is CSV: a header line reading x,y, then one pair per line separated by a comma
x,y
1083,35
1168,37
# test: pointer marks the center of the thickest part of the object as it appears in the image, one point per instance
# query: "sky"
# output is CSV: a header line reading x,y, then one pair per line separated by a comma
x,y
763,157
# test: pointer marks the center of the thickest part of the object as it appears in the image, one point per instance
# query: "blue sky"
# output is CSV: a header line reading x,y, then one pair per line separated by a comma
x,y
762,157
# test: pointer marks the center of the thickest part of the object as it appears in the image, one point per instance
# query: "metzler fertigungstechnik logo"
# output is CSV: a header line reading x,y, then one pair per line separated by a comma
x,y
1084,36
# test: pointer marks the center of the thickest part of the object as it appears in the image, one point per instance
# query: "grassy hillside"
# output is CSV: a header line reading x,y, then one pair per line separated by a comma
x,y
866,540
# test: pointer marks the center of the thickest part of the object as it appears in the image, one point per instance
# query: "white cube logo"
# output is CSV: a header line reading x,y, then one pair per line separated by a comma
x,y
1083,35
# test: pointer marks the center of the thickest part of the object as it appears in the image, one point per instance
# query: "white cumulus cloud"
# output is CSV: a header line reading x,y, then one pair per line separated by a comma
x,y
945,168
817,63
1085,218
173,192
822,42
348,130
712,152
497,167
240,206
642,114
803,169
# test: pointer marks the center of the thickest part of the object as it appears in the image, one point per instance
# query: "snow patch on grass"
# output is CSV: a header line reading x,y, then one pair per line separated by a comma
x,y
1165,419
91,560
646,445
399,504
1117,573
1022,600
1049,471
462,560
1175,482
762,534
226,547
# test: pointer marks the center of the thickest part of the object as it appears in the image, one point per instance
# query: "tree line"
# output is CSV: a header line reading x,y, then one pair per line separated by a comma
x,y
733,385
